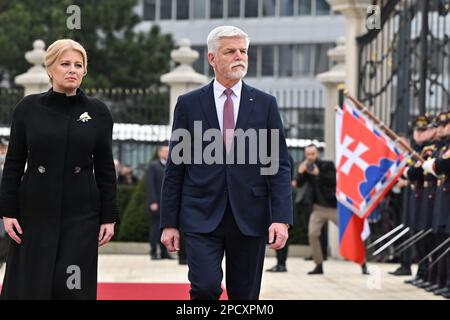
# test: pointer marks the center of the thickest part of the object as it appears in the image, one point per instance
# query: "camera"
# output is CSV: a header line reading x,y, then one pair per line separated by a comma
x,y
310,166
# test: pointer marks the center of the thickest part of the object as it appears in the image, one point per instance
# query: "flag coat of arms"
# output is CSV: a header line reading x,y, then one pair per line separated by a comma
x,y
368,164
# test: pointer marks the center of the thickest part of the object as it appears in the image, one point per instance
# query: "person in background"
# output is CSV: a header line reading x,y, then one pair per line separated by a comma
x,y
321,176
282,254
153,178
127,176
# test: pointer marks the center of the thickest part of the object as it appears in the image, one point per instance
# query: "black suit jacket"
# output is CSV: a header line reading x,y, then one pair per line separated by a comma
x,y
195,196
322,188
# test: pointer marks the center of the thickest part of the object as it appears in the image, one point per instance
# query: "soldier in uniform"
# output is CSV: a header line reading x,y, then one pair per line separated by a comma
x,y
423,133
437,275
440,167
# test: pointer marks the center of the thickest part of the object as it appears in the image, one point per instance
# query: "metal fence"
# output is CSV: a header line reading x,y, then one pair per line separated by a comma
x,y
404,67
134,109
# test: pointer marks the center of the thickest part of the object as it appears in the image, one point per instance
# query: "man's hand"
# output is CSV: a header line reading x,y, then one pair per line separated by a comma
x,y
302,167
171,239
10,224
315,171
279,232
401,183
106,233
154,206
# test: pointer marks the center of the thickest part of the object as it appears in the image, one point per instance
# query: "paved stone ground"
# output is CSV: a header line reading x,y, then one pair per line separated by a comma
x,y
342,280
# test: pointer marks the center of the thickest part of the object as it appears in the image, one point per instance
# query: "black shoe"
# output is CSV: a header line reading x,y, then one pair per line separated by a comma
x,y
277,268
401,271
182,262
417,282
167,256
410,281
364,269
154,257
446,295
441,291
317,270
310,258
423,284
432,287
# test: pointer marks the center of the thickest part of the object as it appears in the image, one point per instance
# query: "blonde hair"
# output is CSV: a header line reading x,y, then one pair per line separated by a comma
x,y
55,50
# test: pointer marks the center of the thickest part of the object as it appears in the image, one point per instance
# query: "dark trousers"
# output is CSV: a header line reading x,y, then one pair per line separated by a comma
x,y
406,258
155,237
244,262
423,247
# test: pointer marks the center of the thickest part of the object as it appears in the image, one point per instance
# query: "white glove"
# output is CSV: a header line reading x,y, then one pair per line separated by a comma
x,y
428,166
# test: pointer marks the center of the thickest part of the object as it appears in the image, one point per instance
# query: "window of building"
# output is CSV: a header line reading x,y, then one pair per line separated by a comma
x,y
252,61
269,8
199,9
285,59
251,8
182,9
286,8
322,63
322,7
303,60
216,9
149,10
267,65
166,9
234,8
305,7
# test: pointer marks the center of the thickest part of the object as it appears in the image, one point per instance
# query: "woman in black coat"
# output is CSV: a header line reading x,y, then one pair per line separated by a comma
x,y
64,206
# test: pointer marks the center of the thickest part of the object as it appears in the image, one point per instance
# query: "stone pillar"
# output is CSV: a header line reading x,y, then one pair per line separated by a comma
x,y
35,80
333,80
183,78
355,13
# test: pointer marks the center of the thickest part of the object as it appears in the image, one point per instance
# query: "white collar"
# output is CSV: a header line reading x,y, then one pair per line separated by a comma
x,y
219,88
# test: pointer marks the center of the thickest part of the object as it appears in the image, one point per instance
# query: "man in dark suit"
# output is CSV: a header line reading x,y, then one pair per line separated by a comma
x,y
227,207
154,177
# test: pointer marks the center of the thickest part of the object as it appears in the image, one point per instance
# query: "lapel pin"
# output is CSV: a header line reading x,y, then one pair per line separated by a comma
x,y
251,99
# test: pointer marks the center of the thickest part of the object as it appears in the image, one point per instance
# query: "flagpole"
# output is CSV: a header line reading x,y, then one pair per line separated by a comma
x,y
382,126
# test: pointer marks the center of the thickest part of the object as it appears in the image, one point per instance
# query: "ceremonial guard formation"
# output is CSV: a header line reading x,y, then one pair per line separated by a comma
x,y
426,212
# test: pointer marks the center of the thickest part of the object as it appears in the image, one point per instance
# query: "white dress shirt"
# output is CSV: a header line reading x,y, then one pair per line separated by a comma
x,y
220,97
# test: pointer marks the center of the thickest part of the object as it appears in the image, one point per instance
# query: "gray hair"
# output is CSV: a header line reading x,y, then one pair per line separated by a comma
x,y
224,32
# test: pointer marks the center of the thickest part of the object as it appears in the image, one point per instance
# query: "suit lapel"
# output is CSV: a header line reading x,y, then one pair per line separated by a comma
x,y
246,105
208,105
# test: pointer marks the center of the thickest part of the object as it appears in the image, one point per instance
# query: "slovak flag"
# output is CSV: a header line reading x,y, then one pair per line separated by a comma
x,y
368,164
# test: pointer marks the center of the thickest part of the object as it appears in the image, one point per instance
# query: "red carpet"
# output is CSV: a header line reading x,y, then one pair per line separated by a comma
x,y
145,291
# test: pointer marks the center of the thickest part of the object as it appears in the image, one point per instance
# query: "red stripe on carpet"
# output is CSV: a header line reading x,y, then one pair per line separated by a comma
x,y
145,291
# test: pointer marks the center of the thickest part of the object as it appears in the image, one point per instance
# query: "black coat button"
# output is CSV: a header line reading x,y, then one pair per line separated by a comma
x,y
41,169
76,170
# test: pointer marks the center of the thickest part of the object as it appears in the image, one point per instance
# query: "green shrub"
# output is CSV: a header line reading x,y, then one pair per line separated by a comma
x,y
135,219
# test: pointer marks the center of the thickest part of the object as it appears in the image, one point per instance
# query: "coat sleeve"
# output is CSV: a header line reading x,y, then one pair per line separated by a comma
x,y
280,182
173,175
104,169
14,165
442,166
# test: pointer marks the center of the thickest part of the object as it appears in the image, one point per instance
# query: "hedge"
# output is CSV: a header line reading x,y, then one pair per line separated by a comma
x,y
135,219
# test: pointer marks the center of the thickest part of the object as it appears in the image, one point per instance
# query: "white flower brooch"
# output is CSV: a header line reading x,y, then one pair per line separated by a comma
x,y
84,117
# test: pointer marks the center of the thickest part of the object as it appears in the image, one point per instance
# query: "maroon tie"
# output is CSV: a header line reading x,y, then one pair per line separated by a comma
x,y
228,120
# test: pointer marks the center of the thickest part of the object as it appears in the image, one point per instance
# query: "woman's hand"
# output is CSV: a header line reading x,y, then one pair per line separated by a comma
x,y
106,233
10,224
